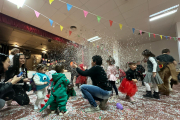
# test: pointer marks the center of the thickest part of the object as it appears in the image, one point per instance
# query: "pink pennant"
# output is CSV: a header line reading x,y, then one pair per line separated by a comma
x,y
85,13
37,13
140,32
170,37
70,33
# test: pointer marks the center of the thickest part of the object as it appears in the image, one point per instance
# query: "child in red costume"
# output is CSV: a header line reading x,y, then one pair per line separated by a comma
x,y
81,79
128,84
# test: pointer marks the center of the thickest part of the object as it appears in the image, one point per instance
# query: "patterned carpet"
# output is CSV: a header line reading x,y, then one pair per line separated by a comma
x,y
168,108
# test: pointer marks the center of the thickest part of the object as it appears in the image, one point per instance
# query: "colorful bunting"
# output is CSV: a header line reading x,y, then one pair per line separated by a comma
x,y
37,13
149,34
61,27
120,25
85,13
51,22
140,32
98,18
70,33
154,35
69,7
111,22
50,1
160,36
133,29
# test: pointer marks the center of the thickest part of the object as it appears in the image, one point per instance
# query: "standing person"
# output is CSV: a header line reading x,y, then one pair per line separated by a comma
x,y
111,74
168,68
41,81
21,87
128,84
101,89
140,70
152,75
14,51
6,91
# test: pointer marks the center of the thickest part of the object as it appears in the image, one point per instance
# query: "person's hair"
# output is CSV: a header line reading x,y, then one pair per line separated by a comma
x,y
3,58
148,53
14,51
59,68
132,63
165,51
16,63
40,67
110,60
97,59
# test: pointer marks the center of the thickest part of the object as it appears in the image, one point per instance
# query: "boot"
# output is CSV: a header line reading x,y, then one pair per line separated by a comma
x,y
103,104
148,94
156,95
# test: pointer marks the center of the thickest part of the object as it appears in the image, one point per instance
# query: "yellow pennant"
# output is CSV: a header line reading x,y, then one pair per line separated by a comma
x,y
120,25
93,44
161,37
50,1
61,27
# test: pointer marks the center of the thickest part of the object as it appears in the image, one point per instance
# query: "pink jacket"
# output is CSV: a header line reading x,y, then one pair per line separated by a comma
x,y
111,73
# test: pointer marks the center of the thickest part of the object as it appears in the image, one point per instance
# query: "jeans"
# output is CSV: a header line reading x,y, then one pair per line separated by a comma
x,y
92,93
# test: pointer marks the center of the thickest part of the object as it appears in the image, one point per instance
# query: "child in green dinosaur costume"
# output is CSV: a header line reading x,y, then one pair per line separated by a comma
x,y
59,92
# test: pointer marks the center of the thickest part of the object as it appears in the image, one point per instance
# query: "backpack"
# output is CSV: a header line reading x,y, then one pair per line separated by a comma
x,y
33,85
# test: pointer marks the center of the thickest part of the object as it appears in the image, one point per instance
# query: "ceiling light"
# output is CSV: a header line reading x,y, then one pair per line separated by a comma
x,y
162,15
19,3
94,39
173,7
43,51
16,45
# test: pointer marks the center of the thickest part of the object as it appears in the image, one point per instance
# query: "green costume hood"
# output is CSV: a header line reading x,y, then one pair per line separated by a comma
x,y
57,76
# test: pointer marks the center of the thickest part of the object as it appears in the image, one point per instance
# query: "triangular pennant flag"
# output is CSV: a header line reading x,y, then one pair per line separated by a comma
x,y
160,36
101,48
97,46
98,18
85,13
111,22
37,13
120,25
170,37
51,22
140,32
149,34
61,27
154,35
50,1
133,29
167,37
69,7
70,33
174,38
178,38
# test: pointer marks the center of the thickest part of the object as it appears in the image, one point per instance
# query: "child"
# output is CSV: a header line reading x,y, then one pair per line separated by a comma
x,y
81,79
128,84
52,71
41,81
59,95
152,75
111,74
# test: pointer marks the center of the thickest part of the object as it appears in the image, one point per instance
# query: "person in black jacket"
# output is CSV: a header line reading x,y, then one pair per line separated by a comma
x,y
21,87
140,70
101,89
6,91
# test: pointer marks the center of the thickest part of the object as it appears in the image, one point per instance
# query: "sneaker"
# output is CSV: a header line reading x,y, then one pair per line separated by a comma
x,y
66,113
61,114
36,107
156,95
127,97
9,102
92,109
52,112
132,100
102,105
148,94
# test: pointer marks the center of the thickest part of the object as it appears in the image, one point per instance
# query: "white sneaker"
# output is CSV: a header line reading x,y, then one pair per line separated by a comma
x,y
92,109
61,114
36,107
53,112
66,113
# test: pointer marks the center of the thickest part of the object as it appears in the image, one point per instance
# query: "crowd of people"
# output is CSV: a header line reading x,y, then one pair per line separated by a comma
x,y
15,87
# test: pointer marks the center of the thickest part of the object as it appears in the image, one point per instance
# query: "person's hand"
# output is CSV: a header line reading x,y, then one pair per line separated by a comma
x,y
9,80
84,67
26,80
65,71
74,65
15,79
154,74
45,83
134,80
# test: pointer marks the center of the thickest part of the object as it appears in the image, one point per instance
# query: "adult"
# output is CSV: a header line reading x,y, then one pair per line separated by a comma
x,y
21,87
101,89
14,51
6,91
140,70
167,64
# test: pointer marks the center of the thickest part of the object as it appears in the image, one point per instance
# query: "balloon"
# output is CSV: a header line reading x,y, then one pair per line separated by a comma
x,y
119,106
71,63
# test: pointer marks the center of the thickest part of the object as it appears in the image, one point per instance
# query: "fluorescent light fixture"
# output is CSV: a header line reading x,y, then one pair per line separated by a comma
x,y
16,45
19,3
173,7
94,39
162,15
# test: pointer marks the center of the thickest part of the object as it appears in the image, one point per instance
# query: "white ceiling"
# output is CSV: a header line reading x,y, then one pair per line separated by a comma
x,y
133,13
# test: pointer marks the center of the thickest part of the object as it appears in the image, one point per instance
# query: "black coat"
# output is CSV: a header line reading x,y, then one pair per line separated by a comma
x,y
5,88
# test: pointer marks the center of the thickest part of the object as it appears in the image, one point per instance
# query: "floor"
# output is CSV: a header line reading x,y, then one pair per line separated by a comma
x,y
167,108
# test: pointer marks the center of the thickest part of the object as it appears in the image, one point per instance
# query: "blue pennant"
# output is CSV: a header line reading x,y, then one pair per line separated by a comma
x,y
51,22
133,29
69,7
